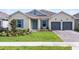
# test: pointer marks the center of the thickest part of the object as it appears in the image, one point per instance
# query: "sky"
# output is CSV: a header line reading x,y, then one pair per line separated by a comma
x,y
11,6
69,11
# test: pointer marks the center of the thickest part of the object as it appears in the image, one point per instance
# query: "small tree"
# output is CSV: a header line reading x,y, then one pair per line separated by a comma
x,y
13,27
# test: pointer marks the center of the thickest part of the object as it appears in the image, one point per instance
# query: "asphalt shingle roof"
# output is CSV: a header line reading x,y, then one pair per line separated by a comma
x,y
39,14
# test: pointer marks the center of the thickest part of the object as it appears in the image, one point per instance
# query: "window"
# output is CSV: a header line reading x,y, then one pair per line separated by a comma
x,y
44,23
19,23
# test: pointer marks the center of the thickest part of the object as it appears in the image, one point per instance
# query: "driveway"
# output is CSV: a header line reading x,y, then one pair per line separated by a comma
x,y
68,36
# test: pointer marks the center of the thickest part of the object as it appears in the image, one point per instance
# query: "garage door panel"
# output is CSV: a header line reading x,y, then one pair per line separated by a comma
x,y
55,25
67,25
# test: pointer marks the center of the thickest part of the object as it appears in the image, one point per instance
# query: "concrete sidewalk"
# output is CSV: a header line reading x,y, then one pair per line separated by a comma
x,y
74,45
39,43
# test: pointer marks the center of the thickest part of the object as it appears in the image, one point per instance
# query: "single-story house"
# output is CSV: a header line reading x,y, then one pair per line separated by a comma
x,y
43,19
3,18
39,19
77,21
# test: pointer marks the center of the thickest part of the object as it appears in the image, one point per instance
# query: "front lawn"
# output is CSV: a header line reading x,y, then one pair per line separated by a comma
x,y
33,37
35,48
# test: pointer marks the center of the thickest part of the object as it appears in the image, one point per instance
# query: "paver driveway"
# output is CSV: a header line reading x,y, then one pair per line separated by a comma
x,y
68,36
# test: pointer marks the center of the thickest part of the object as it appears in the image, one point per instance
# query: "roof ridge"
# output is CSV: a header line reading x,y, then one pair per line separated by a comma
x,y
36,11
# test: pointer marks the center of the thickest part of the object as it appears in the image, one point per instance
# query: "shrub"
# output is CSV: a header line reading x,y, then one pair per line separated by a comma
x,y
3,33
77,30
28,30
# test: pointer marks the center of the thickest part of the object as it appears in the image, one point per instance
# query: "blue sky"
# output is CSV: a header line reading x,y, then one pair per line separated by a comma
x,y
69,11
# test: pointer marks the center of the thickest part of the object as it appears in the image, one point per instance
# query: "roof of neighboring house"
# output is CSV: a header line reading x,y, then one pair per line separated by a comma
x,y
64,13
3,15
34,14
76,15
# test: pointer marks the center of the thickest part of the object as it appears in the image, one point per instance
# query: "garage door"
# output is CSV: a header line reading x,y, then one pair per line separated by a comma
x,y
67,25
55,25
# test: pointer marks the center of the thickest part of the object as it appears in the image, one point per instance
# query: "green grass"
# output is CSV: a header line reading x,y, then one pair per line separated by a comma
x,y
35,48
34,37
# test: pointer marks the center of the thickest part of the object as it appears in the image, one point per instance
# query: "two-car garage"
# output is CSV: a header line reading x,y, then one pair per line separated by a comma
x,y
61,25
62,21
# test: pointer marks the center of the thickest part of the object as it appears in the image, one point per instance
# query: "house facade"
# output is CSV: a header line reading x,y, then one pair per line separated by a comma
x,y
43,19
39,19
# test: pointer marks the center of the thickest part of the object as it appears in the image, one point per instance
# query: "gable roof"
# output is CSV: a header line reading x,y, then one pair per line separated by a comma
x,y
64,13
3,15
39,14
36,13
48,13
17,12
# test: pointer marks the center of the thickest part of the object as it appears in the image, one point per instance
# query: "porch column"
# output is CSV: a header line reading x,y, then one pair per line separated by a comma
x,y
49,25
39,24
30,28
61,25
73,25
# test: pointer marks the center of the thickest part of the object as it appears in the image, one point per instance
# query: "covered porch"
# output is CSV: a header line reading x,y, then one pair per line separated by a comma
x,y
39,24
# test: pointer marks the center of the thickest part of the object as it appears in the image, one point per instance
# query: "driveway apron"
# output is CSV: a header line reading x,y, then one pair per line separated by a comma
x,y
68,36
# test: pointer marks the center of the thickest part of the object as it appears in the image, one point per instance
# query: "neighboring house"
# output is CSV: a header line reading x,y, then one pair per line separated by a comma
x,y
77,21
62,21
43,19
3,17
